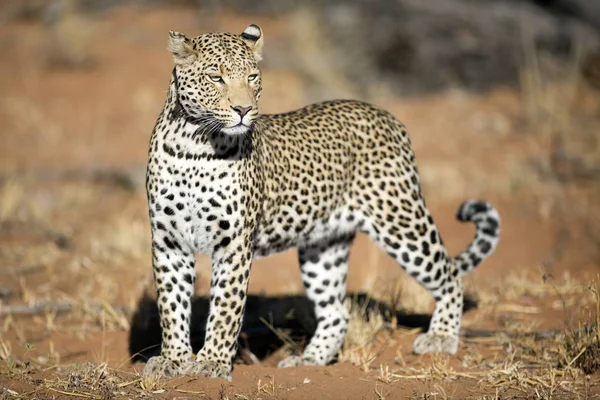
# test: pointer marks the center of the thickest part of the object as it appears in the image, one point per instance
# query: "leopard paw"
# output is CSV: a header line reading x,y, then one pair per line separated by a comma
x,y
161,367
291,361
435,342
296,361
209,369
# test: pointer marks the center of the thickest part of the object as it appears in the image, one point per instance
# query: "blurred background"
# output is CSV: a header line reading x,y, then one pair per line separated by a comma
x,y
501,99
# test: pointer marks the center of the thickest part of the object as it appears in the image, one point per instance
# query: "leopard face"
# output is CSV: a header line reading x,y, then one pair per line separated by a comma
x,y
218,79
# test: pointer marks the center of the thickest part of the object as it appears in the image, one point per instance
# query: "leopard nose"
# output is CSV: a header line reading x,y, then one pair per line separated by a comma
x,y
241,110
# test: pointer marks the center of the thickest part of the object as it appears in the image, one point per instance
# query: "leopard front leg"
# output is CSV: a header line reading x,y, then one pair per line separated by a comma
x,y
229,285
173,265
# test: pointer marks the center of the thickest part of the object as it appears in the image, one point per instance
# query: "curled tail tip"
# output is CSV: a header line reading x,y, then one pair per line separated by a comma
x,y
487,222
472,208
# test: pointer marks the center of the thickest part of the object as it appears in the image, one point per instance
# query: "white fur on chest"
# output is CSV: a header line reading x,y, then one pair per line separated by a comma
x,y
212,203
206,190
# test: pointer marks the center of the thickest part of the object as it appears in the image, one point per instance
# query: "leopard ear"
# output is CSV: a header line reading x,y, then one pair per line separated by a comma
x,y
182,48
253,36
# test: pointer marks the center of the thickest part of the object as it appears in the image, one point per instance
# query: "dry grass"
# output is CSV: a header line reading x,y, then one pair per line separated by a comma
x,y
83,380
581,344
122,240
150,383
560,115
555,367
561,147
86,282
509,375
268,388
315,54
363,327
11,196
26,115
507,291
69,40
8,363
549,101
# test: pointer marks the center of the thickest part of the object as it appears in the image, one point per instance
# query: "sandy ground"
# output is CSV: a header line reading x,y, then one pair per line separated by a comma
x,y
74,230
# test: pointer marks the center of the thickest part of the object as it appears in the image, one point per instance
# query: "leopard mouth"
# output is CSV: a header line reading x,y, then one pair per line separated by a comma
x,y
238,129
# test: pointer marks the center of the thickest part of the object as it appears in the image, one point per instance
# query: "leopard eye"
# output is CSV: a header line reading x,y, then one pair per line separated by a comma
x,y
216,78
252,78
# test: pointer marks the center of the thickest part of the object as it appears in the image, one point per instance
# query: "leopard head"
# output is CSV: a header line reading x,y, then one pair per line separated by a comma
x,y
218,82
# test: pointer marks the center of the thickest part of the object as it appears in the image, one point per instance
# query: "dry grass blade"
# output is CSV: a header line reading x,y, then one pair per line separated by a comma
x,y
267,388
284,337
577,357
125,384
73,394
385,375
5,353
517,308
191,392
117,315
10,197
150,382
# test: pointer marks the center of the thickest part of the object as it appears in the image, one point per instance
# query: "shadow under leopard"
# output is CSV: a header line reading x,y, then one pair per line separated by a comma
x,y
291,314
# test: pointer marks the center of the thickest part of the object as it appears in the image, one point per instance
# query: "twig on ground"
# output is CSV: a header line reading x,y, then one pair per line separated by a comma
x,y
484,333
59,308
21,269
129,177
35,309
248,357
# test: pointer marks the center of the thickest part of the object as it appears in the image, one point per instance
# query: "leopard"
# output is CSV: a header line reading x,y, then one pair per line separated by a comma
x,y
229,182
